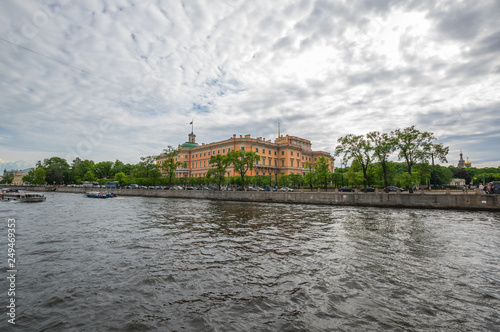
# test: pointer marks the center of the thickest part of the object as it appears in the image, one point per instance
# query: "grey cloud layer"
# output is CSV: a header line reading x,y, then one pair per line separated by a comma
x,y
321,68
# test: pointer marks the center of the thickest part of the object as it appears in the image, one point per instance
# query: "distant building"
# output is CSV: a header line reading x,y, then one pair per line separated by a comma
x,y
286,155
457,182
462,163
18,175
468,163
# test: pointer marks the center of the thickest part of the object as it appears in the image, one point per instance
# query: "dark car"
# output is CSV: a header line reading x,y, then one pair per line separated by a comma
x,y
346,190
394,188
368,189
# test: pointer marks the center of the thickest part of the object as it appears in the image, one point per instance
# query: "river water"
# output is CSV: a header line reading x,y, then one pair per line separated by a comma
x,y
156,264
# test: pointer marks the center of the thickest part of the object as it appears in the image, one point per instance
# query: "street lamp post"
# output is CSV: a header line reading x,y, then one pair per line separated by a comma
x,y
341,172
433,170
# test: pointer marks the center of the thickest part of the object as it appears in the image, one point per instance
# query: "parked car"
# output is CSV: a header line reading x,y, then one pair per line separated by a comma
x,y
346,189
268,188
368,189
394,188
286,188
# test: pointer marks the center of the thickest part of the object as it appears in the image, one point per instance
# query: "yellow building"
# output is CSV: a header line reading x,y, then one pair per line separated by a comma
x,y
18,176
286,155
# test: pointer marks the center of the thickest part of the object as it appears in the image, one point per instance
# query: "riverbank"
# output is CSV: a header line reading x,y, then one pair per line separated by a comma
x,y
421,199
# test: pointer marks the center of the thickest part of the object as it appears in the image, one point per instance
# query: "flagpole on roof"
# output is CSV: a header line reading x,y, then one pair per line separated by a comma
x,y
192,127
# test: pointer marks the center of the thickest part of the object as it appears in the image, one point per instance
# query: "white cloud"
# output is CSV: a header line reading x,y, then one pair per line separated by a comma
x,y
322,69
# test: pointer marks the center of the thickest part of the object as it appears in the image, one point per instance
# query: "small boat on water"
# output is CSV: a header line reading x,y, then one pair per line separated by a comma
x,y
32,197
97,194
25,197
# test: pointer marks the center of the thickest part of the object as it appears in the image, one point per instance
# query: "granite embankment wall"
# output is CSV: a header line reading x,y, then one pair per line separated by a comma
x,y
404,200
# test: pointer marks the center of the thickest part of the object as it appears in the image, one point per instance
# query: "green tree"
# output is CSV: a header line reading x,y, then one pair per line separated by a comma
x,y
57,170
7,178
322,170
150,169
242,161
309,177
296,180
354,174
119,166
89,177
218,171
358,149
30,177
169,165
283,180
408,180
35,176
258,180
424,171
383,146
103,169
39,176
80,168
122,179
443,174
415,146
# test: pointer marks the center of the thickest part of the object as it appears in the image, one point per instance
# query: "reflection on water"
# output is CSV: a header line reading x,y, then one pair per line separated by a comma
x,y
145,264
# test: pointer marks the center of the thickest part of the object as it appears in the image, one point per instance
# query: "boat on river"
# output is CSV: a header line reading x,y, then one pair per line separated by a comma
x,y
32,197
25,197
98,194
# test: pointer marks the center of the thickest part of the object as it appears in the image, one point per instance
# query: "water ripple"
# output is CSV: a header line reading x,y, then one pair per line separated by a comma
x,y
151,264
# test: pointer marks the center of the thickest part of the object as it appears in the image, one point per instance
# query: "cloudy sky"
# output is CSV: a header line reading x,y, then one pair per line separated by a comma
x,y
107,80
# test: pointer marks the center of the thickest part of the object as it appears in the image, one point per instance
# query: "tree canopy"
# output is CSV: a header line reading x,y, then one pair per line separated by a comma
x,y
415,146
242,162
169,165
356,148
